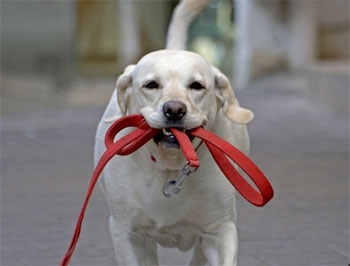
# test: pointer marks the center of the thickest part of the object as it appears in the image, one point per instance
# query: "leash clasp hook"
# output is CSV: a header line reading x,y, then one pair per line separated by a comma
x,y
174,186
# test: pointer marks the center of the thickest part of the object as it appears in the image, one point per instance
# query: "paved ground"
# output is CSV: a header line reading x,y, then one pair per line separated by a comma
x,y
300,141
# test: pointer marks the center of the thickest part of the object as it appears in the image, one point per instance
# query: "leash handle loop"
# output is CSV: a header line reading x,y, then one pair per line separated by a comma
x,y
132,141
220,150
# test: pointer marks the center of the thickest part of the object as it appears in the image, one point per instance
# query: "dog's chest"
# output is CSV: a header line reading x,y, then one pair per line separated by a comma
x,y
181,235
162,210
201,195
169,216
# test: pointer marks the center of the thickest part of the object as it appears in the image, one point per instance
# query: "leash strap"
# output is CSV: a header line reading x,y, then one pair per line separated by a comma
x,y
186,147
218,147
124,146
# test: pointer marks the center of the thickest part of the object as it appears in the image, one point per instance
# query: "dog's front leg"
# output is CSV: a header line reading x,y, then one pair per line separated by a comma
x,y
198,257
221,246
130,248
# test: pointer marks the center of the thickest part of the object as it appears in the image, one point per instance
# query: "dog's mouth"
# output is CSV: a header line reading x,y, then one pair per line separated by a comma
x,y
166,139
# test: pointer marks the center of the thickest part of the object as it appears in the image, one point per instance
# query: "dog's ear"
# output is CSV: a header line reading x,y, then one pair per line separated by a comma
x,y
228,101
124,87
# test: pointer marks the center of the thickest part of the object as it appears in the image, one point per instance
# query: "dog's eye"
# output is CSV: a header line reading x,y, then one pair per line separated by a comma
x,y
196,86
151,85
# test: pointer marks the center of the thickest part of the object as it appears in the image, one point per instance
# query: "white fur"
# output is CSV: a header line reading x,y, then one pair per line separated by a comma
x,y
202,216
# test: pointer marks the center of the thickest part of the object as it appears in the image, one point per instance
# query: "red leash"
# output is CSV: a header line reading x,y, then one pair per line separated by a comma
x,y
219,148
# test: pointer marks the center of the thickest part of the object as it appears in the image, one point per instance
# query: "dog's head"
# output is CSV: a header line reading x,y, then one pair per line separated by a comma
x,y
177,89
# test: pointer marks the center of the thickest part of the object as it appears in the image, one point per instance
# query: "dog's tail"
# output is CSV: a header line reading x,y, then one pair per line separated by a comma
x,y
182,17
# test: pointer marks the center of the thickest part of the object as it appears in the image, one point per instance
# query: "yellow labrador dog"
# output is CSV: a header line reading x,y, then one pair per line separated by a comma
x,y
173,88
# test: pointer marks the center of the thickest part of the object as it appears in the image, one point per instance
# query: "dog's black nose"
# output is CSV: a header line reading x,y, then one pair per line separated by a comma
x,y
174,110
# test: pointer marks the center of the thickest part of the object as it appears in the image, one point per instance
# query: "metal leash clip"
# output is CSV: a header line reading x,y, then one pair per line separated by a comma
x,y
174,186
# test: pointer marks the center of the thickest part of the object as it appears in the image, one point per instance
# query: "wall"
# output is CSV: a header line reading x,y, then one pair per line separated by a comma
x,y
37,36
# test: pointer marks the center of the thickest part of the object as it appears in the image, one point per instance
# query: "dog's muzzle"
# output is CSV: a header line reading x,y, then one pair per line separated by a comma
x,y
166,139
174,112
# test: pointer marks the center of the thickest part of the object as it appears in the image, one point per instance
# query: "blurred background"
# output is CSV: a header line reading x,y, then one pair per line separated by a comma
x,y
288,61
52,47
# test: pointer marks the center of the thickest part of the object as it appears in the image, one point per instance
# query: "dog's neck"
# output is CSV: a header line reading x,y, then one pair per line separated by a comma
x,y
164,159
